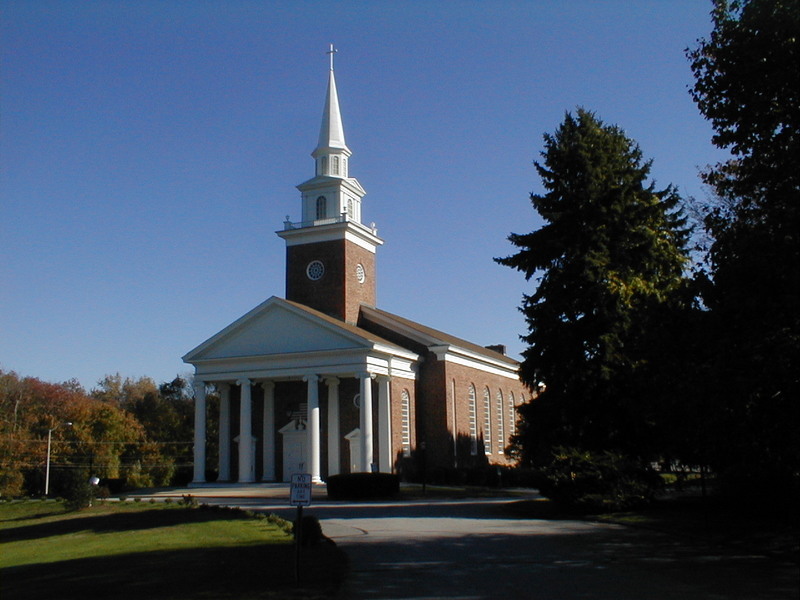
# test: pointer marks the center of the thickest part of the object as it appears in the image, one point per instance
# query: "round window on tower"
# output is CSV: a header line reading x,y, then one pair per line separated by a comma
x,y
361,274
315,270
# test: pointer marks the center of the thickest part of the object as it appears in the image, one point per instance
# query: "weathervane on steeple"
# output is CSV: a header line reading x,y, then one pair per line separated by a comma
x,y
331,52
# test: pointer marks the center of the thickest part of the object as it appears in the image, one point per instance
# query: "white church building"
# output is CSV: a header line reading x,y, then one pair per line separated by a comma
x,y
323,381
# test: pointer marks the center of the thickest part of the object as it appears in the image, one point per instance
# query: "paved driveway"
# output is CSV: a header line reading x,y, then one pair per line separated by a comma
x,y
475,549
470,550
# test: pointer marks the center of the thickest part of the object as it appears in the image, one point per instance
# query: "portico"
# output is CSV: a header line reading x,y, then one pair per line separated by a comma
x,y
338,378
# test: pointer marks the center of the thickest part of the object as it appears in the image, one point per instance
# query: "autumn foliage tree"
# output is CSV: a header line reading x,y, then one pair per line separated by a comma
x,y
166,414
110,436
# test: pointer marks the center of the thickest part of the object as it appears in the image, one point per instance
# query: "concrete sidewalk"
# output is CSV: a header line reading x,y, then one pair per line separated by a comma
x,y
249,491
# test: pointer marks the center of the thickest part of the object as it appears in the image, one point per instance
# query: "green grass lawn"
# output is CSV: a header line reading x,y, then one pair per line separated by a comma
x,y
154,551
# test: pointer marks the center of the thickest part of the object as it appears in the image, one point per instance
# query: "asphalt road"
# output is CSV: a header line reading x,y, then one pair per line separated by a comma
x,y
476,550
471,550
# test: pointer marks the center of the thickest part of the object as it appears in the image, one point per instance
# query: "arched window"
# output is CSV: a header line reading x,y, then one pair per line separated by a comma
x,y
501,434
405,404
350,214
512,415
487,421
335,164
322,208
473,421
324,168
344,167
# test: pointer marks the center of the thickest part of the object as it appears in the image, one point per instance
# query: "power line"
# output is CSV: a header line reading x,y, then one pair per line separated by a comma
x,y
90,443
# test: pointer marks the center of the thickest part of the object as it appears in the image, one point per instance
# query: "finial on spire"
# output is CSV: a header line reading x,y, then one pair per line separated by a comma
x,y
331,52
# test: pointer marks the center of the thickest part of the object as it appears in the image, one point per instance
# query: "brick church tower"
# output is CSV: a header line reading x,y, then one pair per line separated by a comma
x,y
330,254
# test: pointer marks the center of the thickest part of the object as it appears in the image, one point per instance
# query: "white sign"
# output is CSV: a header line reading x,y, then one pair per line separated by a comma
x,y
300,490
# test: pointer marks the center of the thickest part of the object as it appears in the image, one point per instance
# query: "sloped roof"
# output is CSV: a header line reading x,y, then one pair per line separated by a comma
x,y
428,336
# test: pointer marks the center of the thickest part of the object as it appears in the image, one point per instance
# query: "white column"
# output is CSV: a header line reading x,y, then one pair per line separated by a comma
x,y
384,426
199,432
366,421
268,431
224,432
313,427
333,426
245,432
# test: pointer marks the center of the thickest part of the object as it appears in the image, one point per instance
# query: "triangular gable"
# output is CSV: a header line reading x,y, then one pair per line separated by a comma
x,y
278,327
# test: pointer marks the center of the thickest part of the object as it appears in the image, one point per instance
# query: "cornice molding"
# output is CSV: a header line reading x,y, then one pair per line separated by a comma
x,y
352,231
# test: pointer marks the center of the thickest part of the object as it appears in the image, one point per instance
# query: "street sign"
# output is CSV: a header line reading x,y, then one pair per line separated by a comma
x,y
300,490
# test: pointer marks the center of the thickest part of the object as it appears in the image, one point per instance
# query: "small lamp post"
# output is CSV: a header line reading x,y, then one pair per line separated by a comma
x,y
94,481
47,468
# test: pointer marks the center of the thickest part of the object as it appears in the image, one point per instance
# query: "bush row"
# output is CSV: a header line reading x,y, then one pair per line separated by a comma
x,y
597,481
363,486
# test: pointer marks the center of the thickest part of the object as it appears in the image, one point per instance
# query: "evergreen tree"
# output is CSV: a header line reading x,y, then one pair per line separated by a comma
x,y
748,86
609,258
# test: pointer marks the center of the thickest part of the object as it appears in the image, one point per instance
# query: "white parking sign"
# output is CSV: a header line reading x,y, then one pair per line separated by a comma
x,y
300,490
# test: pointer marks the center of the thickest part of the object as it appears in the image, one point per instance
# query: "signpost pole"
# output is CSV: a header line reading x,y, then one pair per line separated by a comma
x,y
299,496
298,538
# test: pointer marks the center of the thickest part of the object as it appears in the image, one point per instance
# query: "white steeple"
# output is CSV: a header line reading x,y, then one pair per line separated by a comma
x,y
331,195
331,153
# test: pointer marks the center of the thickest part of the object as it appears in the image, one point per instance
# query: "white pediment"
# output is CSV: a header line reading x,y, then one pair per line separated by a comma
x,y
276,327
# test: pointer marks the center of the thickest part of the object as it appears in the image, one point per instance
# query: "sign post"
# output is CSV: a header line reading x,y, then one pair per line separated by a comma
x,y
299,496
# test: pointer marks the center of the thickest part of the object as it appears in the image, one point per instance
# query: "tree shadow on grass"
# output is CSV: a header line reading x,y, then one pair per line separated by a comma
x,y
46,512
241,572
124,521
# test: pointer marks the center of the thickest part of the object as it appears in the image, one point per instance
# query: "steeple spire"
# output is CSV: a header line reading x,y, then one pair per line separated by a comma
x,y
331,194
331,133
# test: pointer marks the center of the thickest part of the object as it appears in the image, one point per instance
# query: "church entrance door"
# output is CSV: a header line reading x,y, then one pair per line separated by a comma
x,y
354,438
295,450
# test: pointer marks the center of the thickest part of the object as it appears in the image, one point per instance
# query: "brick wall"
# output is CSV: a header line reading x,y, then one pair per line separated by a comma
x,y
443,406
459,378
357,293
338,293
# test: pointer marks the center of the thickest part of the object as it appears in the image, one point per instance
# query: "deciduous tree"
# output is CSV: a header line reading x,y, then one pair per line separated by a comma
x,y
748,86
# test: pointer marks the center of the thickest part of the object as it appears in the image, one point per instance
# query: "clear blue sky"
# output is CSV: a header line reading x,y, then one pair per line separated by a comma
x,y
150,149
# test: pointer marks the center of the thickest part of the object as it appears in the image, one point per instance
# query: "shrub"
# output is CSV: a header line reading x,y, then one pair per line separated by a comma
x,y
363,486
310,532
282,523
78,492
597,481
189,500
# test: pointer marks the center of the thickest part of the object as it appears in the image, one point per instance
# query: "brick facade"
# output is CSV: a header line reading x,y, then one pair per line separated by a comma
x,y
459,378
442,406
338,292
